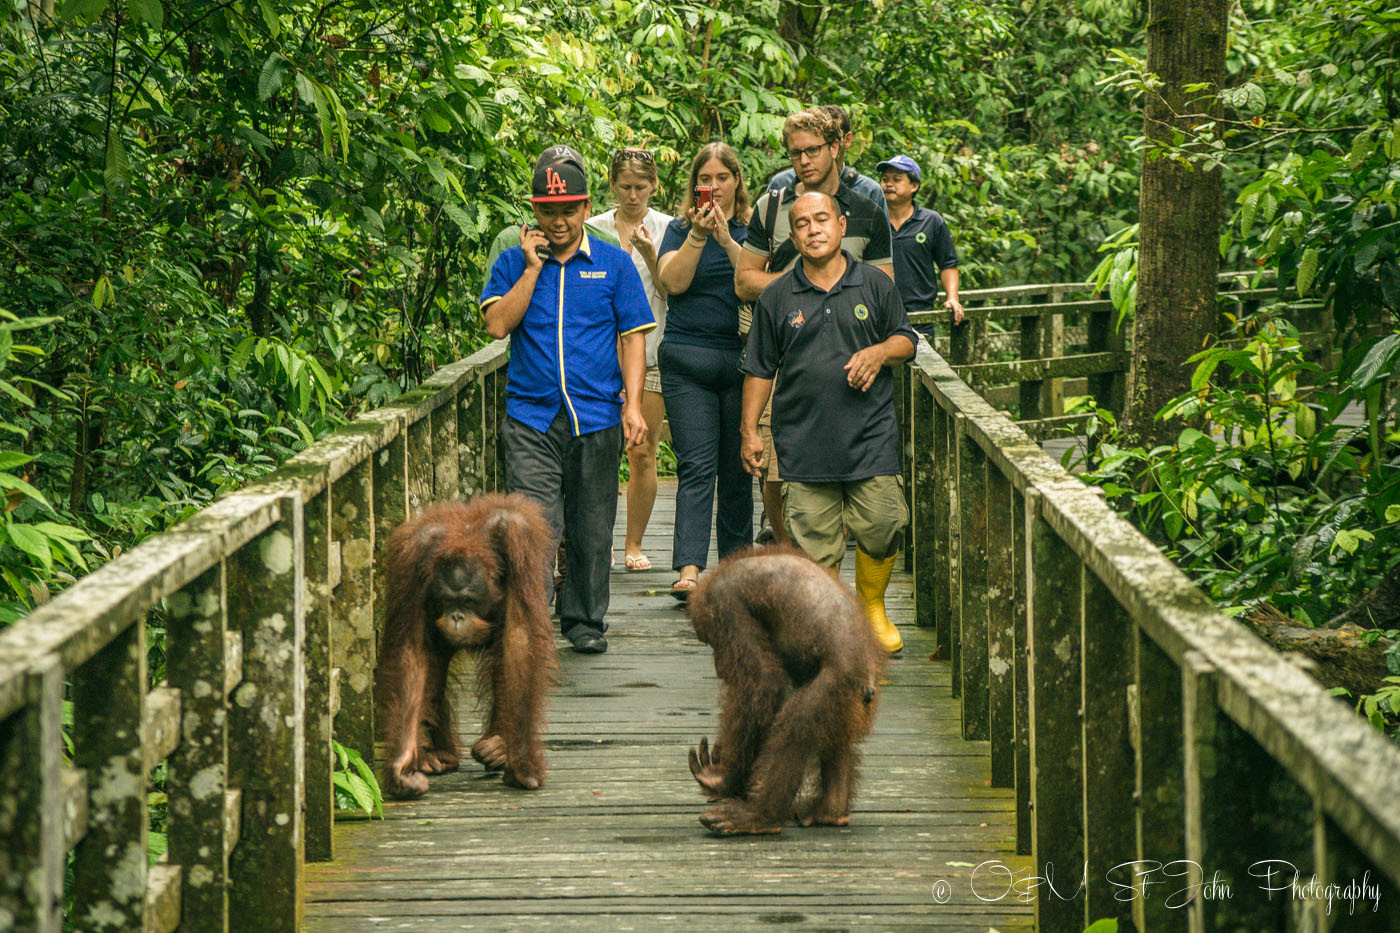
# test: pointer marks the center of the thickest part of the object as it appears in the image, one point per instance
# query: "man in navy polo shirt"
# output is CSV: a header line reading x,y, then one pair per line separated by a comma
x,y
565,315
829,331
923,247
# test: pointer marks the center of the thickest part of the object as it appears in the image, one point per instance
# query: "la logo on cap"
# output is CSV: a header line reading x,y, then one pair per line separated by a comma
x,y
554,184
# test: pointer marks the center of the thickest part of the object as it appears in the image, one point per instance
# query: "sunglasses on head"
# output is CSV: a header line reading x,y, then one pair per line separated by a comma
x,y
632,155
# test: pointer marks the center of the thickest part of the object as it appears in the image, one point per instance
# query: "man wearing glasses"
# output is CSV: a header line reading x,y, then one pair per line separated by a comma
x,y
857,182
813,142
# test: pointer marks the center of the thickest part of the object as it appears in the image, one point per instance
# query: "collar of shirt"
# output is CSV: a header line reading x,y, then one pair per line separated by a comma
x,y
853,276
583,250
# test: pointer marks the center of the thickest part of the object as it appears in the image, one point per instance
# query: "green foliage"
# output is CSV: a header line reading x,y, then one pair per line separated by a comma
x,y
37,553
1107,925
246,222
1116,273
1266,495
356,788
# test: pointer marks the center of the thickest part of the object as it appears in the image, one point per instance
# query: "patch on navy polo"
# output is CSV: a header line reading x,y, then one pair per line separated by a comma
x,y
921,237
862,312
795,319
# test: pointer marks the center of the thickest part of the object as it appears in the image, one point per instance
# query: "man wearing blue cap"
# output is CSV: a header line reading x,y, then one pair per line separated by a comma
x,y
566,300
923,247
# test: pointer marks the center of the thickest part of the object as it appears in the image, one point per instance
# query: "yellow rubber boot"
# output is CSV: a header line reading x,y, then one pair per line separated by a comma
x,y
872,577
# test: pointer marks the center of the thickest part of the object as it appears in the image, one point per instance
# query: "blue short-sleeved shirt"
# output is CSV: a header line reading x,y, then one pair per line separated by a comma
x,y
564,351
824,430
923,247
707,313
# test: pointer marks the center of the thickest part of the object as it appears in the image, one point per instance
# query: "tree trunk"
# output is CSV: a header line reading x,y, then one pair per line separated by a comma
x,y
1337,657
1179,211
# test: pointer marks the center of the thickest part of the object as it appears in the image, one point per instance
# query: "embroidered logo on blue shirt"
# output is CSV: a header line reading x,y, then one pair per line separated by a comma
x,y
862,312
921,237
795,319
599,274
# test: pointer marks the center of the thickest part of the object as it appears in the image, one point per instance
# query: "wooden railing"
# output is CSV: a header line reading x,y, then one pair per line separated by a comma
x,y
1062,339
1152,741
270,601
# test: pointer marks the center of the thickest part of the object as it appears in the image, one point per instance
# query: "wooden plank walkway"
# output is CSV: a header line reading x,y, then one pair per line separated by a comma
x,y
612,841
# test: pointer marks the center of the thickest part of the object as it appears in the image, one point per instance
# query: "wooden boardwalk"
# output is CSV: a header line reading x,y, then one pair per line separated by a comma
x,y
611,842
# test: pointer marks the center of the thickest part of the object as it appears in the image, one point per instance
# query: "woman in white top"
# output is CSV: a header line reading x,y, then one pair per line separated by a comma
x,y
632,176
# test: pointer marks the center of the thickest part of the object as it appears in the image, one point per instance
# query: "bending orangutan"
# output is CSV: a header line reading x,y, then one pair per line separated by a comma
x,y
466,576
798,669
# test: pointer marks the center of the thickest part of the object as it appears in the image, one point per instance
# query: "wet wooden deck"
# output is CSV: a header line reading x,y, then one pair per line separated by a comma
x,y
612,842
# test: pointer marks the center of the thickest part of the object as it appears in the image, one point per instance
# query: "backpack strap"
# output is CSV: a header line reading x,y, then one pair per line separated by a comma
x,y
770,217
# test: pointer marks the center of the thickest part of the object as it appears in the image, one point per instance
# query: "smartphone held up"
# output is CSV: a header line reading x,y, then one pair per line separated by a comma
x,y
540,251
704,197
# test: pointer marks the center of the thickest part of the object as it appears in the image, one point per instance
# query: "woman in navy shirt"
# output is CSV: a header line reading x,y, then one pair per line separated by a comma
x,y
699,360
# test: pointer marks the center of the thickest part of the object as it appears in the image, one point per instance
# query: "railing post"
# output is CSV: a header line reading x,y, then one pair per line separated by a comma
x,y
1155,720
109,729
1109,812
32,845
972,589
446,478
1109,390
1244,816
903,380
1034,397
497,465
941,550
1337,860
352,525
198,780
1001,667
420,464
1021,654
955,553
320,676
267,605
391,508
1054,619
471,436
927,544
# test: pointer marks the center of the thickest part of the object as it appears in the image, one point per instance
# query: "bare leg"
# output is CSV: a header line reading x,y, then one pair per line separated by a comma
x,y
641,485
773,507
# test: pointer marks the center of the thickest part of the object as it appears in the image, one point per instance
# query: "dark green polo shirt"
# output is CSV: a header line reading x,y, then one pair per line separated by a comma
x,y
824,430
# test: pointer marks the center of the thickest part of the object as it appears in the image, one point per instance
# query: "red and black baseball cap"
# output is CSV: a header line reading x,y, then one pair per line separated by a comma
x,y
559,177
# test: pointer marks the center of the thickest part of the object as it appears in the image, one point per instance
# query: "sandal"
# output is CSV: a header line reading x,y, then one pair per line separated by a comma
x,y
640,562
682,587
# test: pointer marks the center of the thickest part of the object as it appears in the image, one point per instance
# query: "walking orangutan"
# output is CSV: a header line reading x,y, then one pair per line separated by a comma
x,y
466,576
798,669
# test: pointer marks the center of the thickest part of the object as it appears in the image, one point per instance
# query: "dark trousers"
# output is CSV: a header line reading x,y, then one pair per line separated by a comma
x,y
575,480
703,388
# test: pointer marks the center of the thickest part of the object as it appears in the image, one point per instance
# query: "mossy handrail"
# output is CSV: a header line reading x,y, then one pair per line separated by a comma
x,y
270,599
1136,722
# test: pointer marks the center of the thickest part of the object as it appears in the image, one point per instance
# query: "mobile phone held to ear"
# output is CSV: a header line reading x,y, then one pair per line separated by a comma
x,y
540,251
704,197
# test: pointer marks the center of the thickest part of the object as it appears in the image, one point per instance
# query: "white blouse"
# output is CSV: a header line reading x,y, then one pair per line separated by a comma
x,y
656,223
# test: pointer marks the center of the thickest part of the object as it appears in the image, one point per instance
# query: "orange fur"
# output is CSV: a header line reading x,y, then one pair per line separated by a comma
x,y
501,543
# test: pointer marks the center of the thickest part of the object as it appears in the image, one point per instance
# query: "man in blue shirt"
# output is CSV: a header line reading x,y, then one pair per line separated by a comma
x,y
852,179
923,247
567,300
